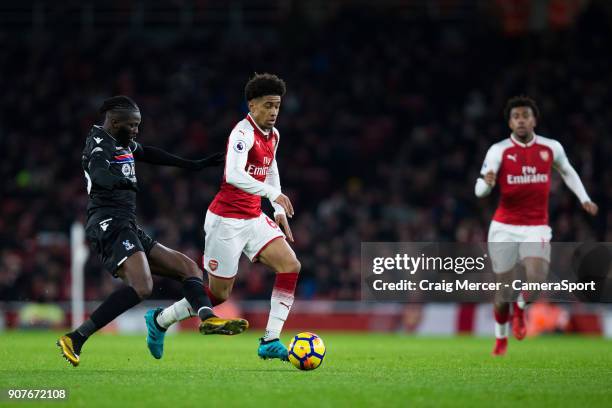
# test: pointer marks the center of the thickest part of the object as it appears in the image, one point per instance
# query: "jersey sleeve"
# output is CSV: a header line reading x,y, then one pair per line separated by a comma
x,y
98,166
568,173
99,155
240,142
560,159
273,178
492,160
157,156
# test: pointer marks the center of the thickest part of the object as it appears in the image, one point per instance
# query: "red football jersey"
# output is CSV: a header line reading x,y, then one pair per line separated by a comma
x,y
523,175
249,159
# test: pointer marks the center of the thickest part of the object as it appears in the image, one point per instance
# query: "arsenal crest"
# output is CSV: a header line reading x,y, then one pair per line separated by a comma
x,y
212,264
544,155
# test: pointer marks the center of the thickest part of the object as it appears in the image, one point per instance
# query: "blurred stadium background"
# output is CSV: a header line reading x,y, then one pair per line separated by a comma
x,y
389,113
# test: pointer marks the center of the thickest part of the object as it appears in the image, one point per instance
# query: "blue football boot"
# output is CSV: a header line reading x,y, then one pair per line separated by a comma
x,y
272,349
155,336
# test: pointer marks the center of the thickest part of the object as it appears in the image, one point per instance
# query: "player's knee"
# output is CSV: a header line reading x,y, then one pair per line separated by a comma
x,y
144,287
505,294
190,269
536,272
501,306
297,266
291,265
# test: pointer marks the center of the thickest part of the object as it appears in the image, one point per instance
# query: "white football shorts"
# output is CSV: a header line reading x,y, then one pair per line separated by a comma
x,y
509,244
226,238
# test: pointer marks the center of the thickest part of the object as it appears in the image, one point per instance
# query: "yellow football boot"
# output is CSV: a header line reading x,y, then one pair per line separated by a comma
x,y
65,344
218,325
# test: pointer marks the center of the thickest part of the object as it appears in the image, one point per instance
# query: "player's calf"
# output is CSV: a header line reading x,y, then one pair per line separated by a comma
x,y
501,313
172,263
280,257
118,302
519,328
281,301
219,289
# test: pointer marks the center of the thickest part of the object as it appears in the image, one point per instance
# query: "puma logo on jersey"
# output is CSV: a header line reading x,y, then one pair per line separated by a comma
x,y
128,245
511,157
104,224
97,139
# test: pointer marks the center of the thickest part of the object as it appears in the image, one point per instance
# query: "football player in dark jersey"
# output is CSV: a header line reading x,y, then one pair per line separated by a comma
x,y
109,158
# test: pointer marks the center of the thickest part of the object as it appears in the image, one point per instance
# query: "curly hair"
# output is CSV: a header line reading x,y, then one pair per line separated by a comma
x,y
264,84
521,101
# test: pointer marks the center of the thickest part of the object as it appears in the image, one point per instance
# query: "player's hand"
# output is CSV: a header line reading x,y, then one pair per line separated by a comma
x,y
489,178
281,220
590,207
284,202
210,161
127,184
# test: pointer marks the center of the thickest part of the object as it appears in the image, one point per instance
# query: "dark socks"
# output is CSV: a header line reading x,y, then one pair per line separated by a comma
x,y
87,329
193,289
118,302
77,341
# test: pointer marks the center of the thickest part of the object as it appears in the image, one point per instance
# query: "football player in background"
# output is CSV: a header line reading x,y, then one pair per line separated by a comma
x,y
519,232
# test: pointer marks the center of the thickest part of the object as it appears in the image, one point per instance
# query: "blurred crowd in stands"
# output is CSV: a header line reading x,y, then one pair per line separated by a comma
x,y
383,131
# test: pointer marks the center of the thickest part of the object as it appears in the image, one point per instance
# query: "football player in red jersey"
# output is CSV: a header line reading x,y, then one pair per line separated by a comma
x,y
521,165
235,223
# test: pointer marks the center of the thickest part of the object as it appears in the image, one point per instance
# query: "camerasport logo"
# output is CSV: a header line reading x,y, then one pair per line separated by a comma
x,y
213,264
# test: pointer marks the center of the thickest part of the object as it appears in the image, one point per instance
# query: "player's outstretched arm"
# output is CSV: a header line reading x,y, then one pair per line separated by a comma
x,y
572,179
157,156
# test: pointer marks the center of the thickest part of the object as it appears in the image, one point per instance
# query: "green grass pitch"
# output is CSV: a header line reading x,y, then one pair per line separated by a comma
x,y
371,370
